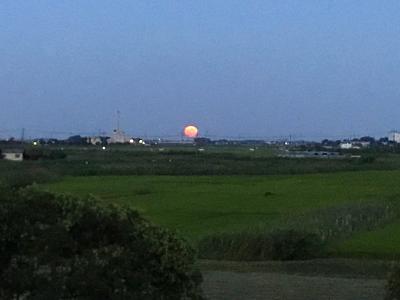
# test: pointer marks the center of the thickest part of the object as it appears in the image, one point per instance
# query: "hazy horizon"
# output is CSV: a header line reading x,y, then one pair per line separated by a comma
x,y
310,69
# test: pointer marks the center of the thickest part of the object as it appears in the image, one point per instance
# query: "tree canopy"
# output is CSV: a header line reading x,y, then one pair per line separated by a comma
x,y
62,247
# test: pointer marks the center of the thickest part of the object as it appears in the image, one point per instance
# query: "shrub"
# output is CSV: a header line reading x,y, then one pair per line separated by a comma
x,y
367,159
61,247
275,245
295,245
55,154
33,154
393,285
20,178
142,192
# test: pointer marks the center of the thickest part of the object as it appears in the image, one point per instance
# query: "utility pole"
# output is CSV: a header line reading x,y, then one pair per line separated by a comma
x,y
22,135
118,119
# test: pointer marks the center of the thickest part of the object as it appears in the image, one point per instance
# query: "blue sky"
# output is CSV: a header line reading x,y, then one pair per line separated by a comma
x,y
234,68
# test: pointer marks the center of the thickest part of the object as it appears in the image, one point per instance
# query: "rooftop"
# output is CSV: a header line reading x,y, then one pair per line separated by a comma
x,y
14,150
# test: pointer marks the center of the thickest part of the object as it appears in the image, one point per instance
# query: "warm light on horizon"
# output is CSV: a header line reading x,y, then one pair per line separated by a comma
x,y
191,131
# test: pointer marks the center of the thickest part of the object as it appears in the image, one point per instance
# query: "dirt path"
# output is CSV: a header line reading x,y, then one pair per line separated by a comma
x,y
320,279
277,286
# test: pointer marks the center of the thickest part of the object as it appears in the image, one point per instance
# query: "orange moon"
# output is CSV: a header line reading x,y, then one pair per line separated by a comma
x,y
191,131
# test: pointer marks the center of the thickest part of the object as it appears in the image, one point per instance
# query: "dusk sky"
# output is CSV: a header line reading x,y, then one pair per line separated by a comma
x,y
234,68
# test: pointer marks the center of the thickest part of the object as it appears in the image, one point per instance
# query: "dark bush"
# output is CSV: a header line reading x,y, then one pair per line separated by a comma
x,y
393,285
61,247
367,159
294,245
33,154
268,194
55,154
142,192
20,178
248,246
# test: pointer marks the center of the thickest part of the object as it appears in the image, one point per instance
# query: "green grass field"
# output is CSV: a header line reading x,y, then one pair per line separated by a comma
x,y
380,243
197,206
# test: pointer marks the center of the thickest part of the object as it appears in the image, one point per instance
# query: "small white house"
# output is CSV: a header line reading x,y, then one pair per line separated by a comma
x,y
13,154
346,145
394,136
364,144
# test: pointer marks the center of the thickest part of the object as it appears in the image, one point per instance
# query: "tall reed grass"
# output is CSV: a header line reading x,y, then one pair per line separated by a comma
x,y
301,237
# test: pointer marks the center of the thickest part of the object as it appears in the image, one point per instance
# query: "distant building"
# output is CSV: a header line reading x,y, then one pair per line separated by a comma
x,y
13,154
362,144
95,140
118,137
394,136
311,154
346,145
355,144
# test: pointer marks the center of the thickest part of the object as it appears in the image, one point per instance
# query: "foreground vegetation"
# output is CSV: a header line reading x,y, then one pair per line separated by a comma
x,y
61,247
